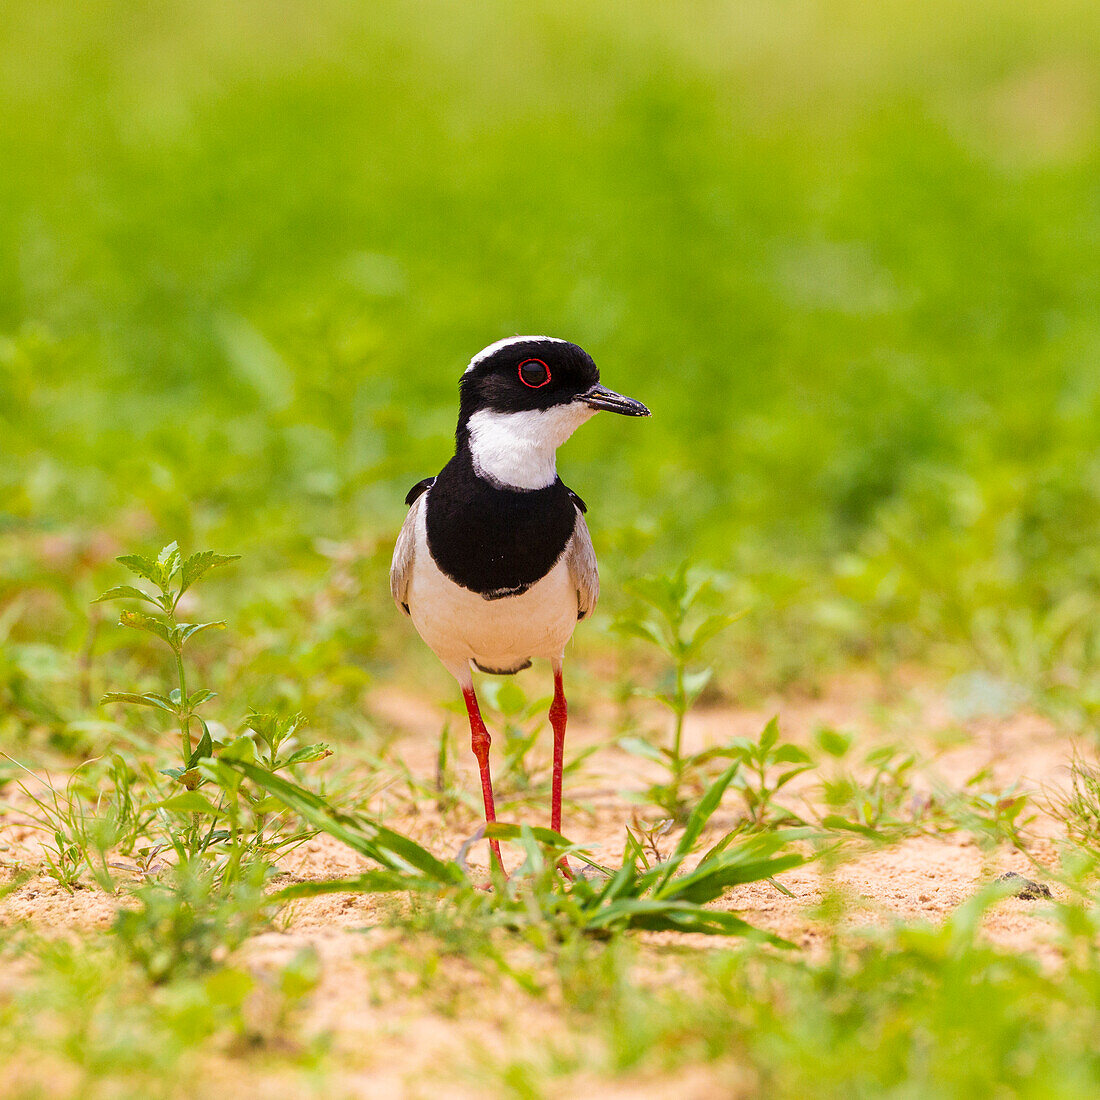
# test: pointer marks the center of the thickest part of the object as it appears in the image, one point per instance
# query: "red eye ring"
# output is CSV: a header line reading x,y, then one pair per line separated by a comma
x,y
534,385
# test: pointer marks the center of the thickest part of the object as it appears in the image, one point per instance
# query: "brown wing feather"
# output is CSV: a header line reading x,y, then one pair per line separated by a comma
x,y
403,554
581,559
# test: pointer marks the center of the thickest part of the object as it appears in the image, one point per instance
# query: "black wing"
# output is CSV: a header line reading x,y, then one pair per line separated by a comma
x,y
423,486
577,500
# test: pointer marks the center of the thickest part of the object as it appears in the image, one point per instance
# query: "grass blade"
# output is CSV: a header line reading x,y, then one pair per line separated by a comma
x,y
697,822
384,846
372,882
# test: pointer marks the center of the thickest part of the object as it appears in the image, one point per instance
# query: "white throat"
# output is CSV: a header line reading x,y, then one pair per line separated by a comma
x,y
519,450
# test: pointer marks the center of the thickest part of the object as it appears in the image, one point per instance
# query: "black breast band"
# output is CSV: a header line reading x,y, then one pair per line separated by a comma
x,y
495,541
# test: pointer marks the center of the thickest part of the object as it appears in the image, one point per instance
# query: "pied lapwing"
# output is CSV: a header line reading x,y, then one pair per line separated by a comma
x,y
494,564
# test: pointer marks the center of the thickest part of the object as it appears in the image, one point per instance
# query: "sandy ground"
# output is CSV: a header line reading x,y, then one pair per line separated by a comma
x,y
389,1042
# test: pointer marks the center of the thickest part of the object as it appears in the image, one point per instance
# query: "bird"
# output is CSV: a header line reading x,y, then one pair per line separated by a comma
x,y
494,564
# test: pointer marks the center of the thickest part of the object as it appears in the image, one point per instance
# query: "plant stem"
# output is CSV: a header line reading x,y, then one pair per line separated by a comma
x,y
184,712
678,732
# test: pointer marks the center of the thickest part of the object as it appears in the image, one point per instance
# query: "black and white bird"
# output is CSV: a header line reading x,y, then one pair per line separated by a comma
x,y
494,564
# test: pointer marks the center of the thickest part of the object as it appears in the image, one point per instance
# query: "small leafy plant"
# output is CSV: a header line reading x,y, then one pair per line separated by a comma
x,y
173,575
767,766
870,797
674,623
210,810
992,816
184,926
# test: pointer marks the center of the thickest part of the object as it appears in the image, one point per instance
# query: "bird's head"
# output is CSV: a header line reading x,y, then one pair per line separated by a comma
x,y
521,398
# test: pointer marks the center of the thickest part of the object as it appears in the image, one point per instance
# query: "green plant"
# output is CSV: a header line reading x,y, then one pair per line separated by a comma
x,y
272,743
640,895
648,897
1079,807
870,796
993,816
914,1009
188,924
85,1019
767,766
81,825
674,622
173,575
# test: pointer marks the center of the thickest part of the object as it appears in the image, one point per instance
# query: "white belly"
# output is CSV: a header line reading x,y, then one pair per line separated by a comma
x,y
460,626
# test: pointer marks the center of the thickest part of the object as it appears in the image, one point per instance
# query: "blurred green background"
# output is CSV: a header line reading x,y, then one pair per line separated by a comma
x,y
848,253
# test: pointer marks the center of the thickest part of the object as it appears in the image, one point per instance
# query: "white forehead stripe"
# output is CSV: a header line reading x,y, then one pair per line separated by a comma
x,y
493,348
519,449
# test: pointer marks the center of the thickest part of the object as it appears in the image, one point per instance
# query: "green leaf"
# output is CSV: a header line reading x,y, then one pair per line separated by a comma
x,y
148,699
787,776
306,755
645,629
672,595
139,620
185,631
710,922
770,734
269,804
719,752
197,698
835,821
126,592
505,695
224,776
143,567
709,628
700,815
274,729
833,741
169,561
201,563
624,879
732,868
187,802
792,754
503,830
229,986
302,974
672,916
203,749
384,846
703,812
674,704
695,582
637,747
240,749
533,864
694,682
372,882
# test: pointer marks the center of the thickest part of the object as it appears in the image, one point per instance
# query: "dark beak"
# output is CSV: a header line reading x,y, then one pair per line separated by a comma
x,y
600,397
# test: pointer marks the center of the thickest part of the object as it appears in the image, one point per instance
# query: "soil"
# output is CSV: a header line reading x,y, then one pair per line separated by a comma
x,y
394,1046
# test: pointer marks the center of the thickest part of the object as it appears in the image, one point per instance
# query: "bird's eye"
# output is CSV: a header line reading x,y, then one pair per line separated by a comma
x,y
534,373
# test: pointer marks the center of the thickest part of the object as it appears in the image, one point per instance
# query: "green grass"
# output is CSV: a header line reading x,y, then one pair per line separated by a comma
x,y
849,260
917,1011
849,255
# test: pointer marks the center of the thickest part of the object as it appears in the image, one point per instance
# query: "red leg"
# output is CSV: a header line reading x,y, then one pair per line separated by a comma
x,y
559,713
479,742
